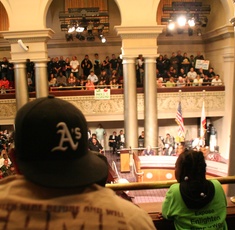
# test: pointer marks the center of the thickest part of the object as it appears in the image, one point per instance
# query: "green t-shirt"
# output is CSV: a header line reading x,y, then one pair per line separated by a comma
x,y
212,216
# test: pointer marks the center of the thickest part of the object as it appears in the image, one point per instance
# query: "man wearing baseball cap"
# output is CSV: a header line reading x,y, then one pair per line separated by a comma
x,y
62,183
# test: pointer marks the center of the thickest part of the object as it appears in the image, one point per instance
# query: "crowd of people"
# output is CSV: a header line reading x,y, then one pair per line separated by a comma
x,y
62,173
180,70
175,71
88,74
6,165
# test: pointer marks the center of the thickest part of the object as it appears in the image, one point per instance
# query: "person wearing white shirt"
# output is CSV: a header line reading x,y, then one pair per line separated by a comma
x,y
192,74
197,81
74,63
216,81
93,77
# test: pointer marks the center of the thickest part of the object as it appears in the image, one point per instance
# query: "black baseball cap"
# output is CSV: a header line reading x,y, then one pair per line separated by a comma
x,y
51,145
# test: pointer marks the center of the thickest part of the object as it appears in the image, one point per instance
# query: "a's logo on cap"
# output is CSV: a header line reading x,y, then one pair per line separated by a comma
x,y
66,136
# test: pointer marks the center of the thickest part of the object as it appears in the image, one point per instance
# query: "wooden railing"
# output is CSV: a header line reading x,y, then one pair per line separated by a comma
x,y
76,91
154,209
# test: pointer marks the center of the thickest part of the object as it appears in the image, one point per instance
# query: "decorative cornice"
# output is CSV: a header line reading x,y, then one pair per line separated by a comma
x,y
220,33
139,31
113,109
28,36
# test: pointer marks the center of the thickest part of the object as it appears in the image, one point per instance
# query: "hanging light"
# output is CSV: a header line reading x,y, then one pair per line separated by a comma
x,y
71,29
80,29
181,20
171,25
191,22
102,38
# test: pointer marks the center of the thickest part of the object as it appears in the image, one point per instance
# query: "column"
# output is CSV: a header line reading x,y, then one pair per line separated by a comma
x,y
140,40
21,85
41,80
231,168
150,103
130,103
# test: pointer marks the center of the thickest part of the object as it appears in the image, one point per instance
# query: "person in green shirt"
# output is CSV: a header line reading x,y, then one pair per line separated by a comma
x,y
170,82
195,202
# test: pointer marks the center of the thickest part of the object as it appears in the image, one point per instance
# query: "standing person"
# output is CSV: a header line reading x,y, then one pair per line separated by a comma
x,y
63,65
61,179
140,69
113,63
97,65
113,140
106,66
180,60
4,67
120,68
174,62
57,67
100,133
74,64
67,67
86,65
185,63
195,202
121,139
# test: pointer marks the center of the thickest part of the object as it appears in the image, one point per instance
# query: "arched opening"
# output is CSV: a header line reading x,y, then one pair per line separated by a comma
x,y
4,22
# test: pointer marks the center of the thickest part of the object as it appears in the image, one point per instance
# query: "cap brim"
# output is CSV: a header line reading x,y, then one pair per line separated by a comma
x,y
88,169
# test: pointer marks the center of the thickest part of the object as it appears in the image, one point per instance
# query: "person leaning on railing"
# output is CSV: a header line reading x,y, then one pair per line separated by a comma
x,y
216,81
195,202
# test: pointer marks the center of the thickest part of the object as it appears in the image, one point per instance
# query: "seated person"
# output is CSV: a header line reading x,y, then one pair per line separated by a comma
x,y
216,80
60,177
148,151
121,139
72,80
95,146
93,135
93,77
180,148
170,82
61,80
168,144
113,140
194,202
6,165
141,136
180,82
4,82
89,85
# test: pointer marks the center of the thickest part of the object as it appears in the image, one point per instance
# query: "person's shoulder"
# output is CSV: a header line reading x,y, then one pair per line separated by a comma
x,y
174,189
11,181
216,183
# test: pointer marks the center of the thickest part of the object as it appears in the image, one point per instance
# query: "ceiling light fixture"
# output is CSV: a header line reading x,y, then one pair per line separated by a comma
x,y
181,20
185,14
80,29
88,22
171,25
191,22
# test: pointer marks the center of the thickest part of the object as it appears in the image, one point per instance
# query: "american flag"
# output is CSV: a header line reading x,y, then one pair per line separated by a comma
x,y
203,122
180,121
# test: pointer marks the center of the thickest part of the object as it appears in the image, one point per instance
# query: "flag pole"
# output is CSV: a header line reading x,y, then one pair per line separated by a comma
x,y
203,120
180,95
180,121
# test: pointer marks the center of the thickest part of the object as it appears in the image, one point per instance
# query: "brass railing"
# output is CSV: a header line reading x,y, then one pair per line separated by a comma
x,y
160,184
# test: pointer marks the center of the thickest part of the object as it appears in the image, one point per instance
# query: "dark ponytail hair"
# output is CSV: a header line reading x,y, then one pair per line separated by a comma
x,y
190,165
